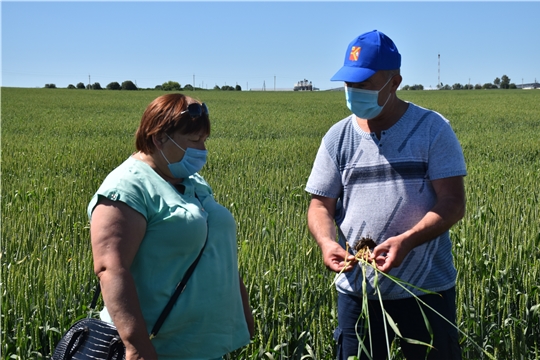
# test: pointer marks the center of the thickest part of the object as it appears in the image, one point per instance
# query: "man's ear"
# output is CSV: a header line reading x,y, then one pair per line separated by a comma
x,y
396,81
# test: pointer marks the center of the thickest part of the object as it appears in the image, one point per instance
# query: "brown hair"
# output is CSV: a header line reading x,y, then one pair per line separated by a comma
x,y
163,116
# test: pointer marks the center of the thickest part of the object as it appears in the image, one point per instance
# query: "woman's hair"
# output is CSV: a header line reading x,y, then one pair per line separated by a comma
x,y
162,116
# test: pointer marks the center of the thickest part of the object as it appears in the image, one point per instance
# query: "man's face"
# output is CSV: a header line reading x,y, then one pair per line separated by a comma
x,y
377,82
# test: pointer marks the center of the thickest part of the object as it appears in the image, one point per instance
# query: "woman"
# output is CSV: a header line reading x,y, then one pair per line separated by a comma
x,y
149,221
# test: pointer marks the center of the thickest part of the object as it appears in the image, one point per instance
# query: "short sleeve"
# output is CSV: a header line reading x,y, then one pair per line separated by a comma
x,y
446,156
123,184
325,178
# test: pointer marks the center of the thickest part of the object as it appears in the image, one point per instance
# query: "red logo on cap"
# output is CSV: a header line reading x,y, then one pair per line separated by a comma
x,y
355,53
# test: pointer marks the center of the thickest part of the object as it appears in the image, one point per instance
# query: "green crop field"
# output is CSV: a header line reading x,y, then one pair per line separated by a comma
x,y
58,145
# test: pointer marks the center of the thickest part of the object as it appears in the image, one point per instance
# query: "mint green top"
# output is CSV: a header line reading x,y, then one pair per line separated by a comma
x,y
208,319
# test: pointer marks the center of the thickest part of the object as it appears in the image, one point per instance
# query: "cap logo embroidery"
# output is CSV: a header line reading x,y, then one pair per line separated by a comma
x,y
355,53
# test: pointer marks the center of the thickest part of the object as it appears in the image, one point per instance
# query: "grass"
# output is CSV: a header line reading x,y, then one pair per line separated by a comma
x,y
58,145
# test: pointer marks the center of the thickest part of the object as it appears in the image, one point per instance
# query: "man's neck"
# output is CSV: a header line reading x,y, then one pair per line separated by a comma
x,y
388,117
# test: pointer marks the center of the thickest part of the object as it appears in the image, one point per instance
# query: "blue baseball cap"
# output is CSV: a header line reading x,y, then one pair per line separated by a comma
x,y
367,54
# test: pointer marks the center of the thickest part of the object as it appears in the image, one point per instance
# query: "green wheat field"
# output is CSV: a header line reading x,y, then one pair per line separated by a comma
x,y
58,145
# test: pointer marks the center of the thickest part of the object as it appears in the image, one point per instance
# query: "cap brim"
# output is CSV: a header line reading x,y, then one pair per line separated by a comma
x,y
352,74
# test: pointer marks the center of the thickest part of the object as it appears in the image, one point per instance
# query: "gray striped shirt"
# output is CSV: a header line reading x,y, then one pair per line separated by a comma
x,y
383,187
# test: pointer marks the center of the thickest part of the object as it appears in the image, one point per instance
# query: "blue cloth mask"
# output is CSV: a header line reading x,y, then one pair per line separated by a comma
x,y
364,103
192,162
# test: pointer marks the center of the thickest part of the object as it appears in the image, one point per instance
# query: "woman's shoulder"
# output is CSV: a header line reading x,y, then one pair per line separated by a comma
x,y
131,171
130,182
201,186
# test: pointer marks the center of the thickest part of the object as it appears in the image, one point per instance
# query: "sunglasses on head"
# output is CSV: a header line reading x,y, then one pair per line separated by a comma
x,y
195,110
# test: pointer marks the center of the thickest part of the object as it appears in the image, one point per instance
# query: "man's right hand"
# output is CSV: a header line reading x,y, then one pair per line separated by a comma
x,y
321,225
336,258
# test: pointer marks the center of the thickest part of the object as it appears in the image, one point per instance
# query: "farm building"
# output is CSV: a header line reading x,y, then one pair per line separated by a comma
x,y
303,85
534,85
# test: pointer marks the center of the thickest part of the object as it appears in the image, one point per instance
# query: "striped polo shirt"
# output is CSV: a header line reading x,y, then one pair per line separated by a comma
x,y
383,187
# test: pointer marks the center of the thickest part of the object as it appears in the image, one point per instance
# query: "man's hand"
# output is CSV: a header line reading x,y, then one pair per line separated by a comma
x,y
335,258
322,227
449,209
390,253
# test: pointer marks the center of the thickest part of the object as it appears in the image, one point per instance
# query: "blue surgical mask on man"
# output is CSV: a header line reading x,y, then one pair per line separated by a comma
x,y
192,162
365,103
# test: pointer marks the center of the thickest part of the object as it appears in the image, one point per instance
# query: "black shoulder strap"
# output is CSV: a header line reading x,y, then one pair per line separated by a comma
x,y
178,290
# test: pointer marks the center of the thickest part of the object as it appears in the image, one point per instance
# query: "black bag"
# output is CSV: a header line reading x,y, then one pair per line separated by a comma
x,y
93,339
90,339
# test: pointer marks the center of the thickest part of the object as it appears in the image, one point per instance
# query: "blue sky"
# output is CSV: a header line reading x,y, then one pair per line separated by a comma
x,y
254,43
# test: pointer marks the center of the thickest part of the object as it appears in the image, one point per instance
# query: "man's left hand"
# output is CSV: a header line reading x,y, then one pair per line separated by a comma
x,y
390,253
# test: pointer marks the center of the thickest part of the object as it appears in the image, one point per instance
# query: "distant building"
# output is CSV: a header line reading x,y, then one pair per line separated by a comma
x,y
303,85
534,85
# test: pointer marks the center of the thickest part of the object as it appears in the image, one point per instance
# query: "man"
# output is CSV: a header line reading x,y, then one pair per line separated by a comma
x,y
392,172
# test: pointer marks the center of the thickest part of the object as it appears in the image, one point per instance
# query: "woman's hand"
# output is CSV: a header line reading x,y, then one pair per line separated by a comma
x,y
141,354
247,309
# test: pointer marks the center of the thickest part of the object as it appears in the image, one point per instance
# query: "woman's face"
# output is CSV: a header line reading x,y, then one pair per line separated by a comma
x,y
175,152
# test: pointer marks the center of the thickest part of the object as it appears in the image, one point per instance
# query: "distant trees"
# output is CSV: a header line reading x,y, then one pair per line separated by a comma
x,y
498,83
413,87
502,83
171,86
50,86
505,82
113,86
228,88
129,85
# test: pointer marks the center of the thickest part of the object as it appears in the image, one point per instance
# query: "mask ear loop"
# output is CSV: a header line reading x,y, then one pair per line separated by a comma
x,y
174,142
388,98
162,154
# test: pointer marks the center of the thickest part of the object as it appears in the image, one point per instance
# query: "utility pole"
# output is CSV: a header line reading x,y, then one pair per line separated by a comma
x,y
193,82
89,82
274,82
439,70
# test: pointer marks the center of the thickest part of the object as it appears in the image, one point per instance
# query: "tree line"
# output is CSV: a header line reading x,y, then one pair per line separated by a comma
x,y
129,85
498,83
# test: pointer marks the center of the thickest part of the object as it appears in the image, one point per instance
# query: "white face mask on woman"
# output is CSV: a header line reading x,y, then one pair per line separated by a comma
x,y
365,103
